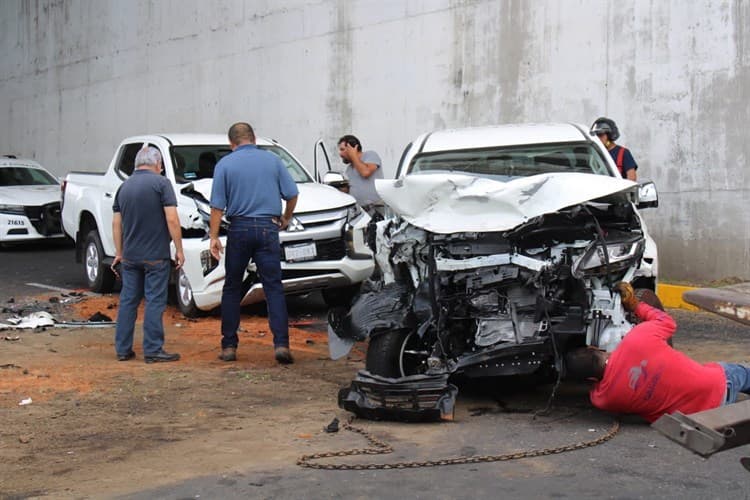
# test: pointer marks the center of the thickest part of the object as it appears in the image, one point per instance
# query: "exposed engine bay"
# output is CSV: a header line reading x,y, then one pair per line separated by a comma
x,y
500,302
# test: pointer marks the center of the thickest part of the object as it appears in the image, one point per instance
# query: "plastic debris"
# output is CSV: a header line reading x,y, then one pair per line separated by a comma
x,y
12,339
98,317
333,426
33,320
25,402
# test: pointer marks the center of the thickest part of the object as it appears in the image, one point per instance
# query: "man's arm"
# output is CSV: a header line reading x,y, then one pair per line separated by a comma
x,y
659,322
364,169
631,175
288,212
216,247
175,231
117,236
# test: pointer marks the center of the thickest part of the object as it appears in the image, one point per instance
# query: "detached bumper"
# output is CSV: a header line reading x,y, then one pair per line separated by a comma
x,y
417,398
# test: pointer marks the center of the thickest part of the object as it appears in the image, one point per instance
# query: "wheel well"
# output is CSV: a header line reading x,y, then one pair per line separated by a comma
x,y
88,222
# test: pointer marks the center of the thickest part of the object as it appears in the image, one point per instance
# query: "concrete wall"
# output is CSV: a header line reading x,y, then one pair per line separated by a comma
x,y
78,76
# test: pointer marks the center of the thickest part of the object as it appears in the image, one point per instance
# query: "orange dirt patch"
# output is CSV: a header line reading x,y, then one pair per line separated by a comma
x,y
86,360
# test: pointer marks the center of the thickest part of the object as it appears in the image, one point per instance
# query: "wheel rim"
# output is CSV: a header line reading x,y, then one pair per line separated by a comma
x,y
92,262
412,358
184,292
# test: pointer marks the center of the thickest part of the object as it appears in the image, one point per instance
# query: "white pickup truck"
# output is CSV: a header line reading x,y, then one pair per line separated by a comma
x,y
322,249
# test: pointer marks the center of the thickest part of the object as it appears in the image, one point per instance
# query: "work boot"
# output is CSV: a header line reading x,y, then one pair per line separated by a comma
x,y
161,357
228,354
283,356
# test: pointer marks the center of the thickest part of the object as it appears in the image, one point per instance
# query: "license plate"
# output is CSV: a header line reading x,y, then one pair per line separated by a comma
x,y
304,251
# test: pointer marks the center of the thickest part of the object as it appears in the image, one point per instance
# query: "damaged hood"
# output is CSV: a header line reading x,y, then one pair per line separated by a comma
x,y
313,197
450,203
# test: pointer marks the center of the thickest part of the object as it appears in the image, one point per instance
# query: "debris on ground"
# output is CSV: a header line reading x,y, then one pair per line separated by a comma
x,y
333,426
12,339
25,402
34,320
98,317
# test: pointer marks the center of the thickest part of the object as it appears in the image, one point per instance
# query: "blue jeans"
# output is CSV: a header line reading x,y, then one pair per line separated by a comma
x,y
149,278
255,238
738,380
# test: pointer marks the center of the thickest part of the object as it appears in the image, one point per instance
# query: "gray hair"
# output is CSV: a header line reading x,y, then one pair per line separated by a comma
x,y
148,155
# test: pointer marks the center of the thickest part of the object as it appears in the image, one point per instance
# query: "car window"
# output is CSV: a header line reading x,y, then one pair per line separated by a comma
x,y
198,162
25,176
515,161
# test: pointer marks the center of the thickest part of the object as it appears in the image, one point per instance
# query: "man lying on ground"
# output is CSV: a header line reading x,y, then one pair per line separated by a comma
x,y
647,377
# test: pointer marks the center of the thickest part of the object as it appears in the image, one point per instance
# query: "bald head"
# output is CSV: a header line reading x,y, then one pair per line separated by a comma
x,y
241,133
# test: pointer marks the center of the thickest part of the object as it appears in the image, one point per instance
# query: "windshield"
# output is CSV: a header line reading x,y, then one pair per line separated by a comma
x,y
198,162
504,163
25,176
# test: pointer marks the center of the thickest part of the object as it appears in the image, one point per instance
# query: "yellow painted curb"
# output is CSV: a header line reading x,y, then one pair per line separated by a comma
x,y
671,296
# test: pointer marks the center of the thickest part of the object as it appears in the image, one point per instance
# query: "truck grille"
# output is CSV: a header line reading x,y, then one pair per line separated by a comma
x,y
45,219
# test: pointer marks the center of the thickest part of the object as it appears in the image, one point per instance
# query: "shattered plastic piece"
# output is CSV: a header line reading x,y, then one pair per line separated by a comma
x,y
333,426
33,320
25,402
54,300
11,339
98,317
11,300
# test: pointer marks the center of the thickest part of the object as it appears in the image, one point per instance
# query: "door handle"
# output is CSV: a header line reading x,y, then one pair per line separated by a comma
x,y
108,195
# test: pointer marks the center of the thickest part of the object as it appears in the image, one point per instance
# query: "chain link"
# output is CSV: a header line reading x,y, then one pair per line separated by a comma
x,y
378,447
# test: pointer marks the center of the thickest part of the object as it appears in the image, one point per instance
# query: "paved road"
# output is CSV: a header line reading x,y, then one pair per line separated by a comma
x,y
48,263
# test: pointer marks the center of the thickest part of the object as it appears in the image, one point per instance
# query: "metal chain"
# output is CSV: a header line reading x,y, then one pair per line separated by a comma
x,y
379,447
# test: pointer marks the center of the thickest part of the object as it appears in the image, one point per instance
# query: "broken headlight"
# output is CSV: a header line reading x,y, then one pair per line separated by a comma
x,y
208,262
353,213
608,256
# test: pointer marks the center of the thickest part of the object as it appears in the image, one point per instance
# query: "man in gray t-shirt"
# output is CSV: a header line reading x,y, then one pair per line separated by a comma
x,y
362,170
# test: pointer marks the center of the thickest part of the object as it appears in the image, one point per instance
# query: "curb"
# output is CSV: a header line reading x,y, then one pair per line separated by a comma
x,y
671,296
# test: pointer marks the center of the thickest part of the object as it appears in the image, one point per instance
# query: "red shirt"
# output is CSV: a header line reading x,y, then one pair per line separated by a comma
x,y
647,377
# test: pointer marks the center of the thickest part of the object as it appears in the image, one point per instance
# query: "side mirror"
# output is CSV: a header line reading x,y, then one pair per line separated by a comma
x,y
647,195
337,180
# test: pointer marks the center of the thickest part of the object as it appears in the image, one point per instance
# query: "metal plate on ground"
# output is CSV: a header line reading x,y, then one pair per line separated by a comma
x,y
732,301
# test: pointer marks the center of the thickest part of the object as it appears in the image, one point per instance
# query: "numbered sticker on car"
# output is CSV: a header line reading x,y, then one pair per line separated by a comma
x,y
15,222
300,252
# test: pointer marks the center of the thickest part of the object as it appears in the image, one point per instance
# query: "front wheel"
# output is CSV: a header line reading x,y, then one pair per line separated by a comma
x,y
99,276
396,354
185,299
340,297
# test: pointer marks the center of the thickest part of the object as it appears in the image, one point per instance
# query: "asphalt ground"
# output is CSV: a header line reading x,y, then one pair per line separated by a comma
x,y
637,463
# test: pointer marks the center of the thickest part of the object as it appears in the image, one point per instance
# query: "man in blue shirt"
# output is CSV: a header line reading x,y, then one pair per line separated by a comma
x,y
606,130
248,187
144,220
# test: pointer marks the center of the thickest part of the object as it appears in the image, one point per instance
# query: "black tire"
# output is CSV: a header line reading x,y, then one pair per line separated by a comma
x,y
99,277
384,354
649,297
184,296
340,297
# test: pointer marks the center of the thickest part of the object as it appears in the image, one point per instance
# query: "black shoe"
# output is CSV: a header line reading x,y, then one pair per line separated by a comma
x,y
283,356
126,357
161,357
228,354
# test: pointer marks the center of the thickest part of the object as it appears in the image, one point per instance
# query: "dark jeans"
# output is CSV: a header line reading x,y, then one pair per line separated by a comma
x,y
255,238
149,278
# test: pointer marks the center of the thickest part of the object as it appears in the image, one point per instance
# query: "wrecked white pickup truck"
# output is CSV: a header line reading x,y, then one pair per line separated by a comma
x,y
322,249
501,255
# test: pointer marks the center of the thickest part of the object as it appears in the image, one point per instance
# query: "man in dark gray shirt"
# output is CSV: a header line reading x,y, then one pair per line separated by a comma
x,y
144,221
362,170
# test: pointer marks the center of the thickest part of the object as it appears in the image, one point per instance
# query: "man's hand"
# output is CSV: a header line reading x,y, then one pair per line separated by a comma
x,y
179,259
350,151
115,261
629,300
282,222
216,248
